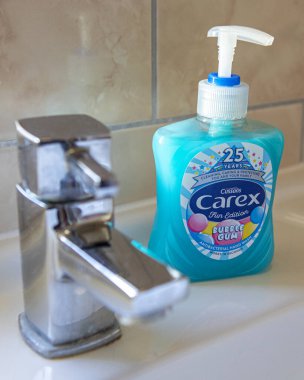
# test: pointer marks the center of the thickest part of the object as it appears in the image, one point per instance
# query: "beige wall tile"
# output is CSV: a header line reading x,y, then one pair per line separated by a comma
x,y
74,56
289,120
186,55
133,163
9,175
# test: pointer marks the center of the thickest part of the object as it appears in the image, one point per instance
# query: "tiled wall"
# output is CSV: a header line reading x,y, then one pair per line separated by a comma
x,y
135,65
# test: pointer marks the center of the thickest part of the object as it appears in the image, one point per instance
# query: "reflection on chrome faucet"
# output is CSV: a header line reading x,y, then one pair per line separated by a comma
x,y
45,373
78,270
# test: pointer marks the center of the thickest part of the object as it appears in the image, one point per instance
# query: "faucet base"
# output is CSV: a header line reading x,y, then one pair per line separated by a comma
x,y
45,348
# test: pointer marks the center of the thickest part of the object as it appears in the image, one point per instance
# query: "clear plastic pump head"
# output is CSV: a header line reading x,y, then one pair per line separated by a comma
x,y
227,37
223,96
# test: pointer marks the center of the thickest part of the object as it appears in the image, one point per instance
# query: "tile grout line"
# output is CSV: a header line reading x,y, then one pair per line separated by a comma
x,y
154,59
144,123
302,135
8,143
155,121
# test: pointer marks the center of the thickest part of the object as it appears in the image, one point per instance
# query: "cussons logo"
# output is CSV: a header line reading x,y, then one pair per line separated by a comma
x,y
225,197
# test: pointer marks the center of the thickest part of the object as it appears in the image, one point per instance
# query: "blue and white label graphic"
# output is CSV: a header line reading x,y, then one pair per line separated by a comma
x,y
225,197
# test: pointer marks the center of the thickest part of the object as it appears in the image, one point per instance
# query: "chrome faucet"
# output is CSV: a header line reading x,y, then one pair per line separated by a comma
x,y
79,272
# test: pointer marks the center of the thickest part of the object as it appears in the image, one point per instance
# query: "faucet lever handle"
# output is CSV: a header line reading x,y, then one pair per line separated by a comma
x,y
65,158
102,179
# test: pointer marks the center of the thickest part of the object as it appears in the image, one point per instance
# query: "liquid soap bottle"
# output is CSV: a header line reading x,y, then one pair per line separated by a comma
x,y
216,177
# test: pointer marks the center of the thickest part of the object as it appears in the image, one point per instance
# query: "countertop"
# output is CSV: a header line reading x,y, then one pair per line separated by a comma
x,y
235,328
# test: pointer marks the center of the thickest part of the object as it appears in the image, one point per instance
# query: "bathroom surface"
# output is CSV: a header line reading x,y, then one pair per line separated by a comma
x,y
252,326
135,66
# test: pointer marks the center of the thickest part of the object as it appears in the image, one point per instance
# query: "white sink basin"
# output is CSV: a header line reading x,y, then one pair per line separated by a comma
x,y
234,329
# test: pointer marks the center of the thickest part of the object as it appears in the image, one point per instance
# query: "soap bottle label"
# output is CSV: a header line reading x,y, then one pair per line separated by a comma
x,y
225,196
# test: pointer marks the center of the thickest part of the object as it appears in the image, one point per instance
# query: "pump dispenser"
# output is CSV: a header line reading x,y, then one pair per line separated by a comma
x,y
216,177
223,95
227,40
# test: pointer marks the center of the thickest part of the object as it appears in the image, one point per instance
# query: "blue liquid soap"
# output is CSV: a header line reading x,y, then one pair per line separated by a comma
x,y
216,177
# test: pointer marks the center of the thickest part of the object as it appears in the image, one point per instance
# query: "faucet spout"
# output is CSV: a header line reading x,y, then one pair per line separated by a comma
x,y
118,272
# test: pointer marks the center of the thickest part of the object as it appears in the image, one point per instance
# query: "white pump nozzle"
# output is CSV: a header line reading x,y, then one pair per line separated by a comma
x,y
227,40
